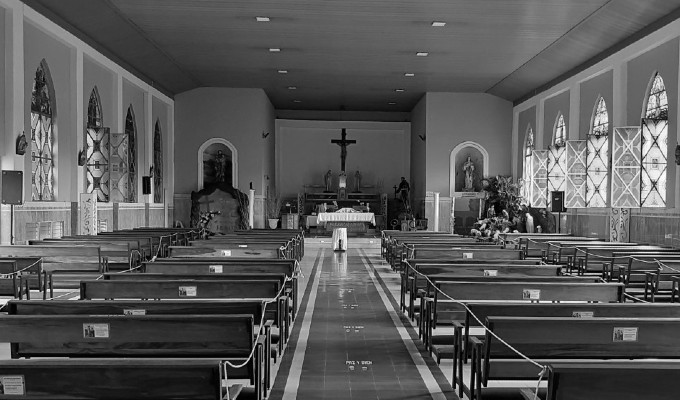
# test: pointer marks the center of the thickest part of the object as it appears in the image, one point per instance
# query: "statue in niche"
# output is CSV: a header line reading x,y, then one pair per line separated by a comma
x,y
357,182
220,166
327,180
469,168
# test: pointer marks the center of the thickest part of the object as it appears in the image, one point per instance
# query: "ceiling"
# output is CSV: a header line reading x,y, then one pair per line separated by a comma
x,y
353,54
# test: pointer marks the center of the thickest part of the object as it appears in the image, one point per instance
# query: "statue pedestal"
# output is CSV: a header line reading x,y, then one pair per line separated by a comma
x,y
467,209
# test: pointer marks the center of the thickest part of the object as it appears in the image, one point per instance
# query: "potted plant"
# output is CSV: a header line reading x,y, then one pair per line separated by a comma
x,y
273,205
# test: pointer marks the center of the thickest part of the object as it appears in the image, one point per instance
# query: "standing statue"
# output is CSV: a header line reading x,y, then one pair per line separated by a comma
x,y
469,169
220,166
327,179
357,182
404,189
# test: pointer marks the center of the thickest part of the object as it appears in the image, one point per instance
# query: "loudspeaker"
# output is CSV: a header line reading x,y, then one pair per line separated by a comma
x,y
557,202
146,185
12,187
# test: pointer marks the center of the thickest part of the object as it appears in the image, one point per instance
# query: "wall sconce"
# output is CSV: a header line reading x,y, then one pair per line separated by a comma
x,y
677,155
422,137
82,158
265,134
151,173
22,144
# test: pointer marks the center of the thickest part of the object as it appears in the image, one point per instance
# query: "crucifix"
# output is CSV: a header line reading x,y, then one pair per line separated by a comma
x,y
343,143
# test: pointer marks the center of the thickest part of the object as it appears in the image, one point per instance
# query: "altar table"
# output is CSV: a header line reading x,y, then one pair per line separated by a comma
x,y
354,222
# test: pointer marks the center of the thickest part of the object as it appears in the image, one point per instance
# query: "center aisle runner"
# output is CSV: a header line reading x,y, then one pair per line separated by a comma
x,y
354,350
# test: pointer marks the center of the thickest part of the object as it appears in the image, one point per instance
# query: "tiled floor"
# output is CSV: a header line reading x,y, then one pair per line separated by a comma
x,y
349,342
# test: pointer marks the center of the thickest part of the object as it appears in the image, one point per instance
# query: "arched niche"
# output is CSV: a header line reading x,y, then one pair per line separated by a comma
x,y
214,155
479,158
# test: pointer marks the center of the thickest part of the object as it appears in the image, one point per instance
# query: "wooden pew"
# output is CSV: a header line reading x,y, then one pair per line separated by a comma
x,y
538,247
229,266
217,250
226,337
179,289
612,380
59,258
459,343
405,250
115,252
9,280
564,251
589,256
168,307
143,379
546,339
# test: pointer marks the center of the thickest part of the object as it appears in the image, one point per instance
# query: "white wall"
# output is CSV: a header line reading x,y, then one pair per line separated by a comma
x,y
304,153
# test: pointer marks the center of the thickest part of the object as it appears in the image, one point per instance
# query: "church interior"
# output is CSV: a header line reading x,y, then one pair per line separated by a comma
x,y
314,199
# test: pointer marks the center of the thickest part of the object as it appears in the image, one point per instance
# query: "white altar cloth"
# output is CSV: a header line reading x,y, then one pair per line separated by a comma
x,y
346,217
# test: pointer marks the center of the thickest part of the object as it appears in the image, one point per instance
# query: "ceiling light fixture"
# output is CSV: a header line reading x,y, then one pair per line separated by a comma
x,y
438,24
297,101
274,50
422,54
292,87
398,90
409,74
283,71
391,103
262,19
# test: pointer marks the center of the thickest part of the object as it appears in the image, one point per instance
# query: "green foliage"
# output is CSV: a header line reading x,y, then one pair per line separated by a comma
x,y
273,206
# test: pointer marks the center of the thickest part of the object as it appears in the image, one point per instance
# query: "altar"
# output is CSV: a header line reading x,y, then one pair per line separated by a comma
x,y
354,221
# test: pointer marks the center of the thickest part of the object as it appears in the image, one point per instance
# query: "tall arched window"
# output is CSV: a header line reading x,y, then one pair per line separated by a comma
x,y
655,146
157,163
597,157
43,168
98,153
557,158
131,133
526,174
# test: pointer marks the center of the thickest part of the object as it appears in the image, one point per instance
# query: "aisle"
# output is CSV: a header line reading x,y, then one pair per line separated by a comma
x,y
348,342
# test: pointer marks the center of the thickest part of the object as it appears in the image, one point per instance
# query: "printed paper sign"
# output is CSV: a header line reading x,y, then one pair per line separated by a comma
x,y
12,385
134,312
626,334
531,294
5,276
187,291
226,253
243,245
490,272
96,331
467,255
215,269
583,314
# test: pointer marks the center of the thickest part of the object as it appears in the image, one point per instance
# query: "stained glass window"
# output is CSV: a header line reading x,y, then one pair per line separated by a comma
x,y
98,150
157,164
131,133
597,157
43,168
557,158
655,146
526,175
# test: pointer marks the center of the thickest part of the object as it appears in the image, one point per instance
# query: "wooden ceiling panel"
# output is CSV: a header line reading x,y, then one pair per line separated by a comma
x,y
354,53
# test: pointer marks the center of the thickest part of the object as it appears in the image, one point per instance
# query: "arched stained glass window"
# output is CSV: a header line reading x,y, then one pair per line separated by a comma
x,y
123,159
157,163
655,146
597,157
557,158
98,150
526,174
43,168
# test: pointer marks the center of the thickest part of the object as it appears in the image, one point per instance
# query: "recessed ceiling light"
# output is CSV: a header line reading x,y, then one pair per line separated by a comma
x,y
399,90
297,101
438,24
292,87
409,74
262,19
283,71
422,54
391,103
274,50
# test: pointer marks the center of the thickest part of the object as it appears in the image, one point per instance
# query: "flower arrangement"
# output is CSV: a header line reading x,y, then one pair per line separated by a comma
x,y
503,209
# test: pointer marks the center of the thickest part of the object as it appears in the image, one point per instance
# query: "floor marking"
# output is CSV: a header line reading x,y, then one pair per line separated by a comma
x,y
293,382
423,369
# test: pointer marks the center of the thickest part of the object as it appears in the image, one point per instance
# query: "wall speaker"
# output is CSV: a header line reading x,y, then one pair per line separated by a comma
x,y
146,185
12,187
557,202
